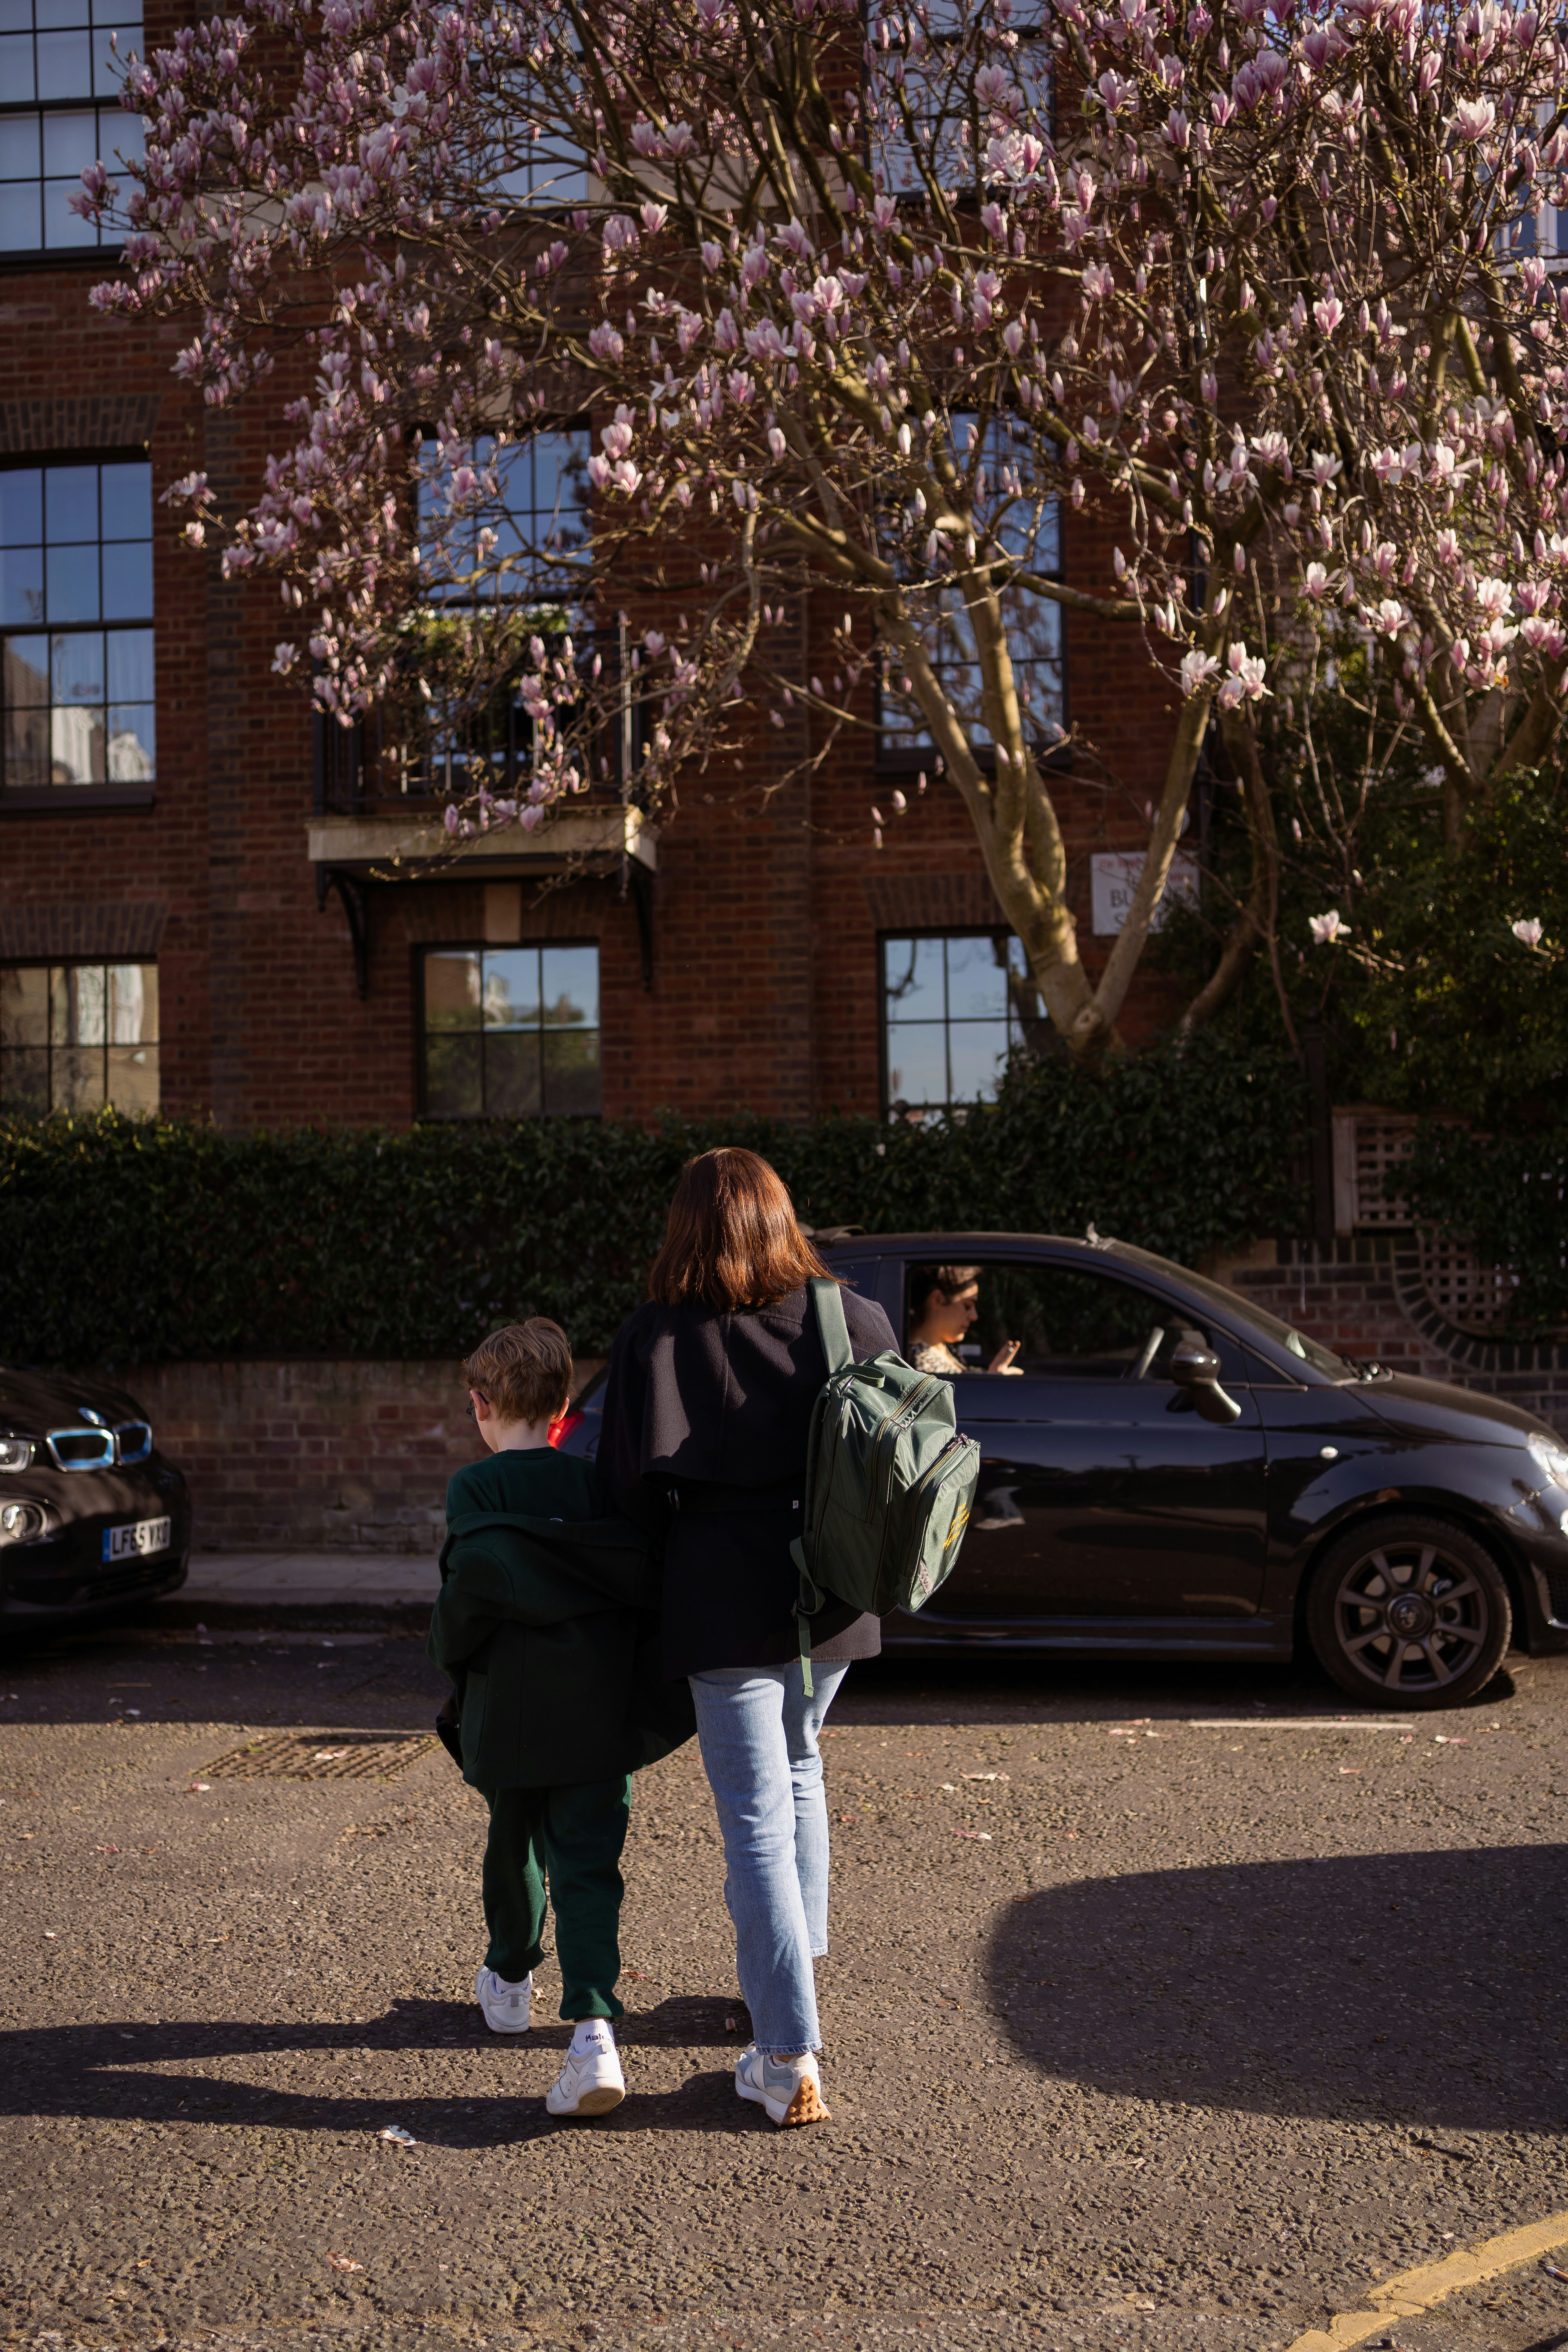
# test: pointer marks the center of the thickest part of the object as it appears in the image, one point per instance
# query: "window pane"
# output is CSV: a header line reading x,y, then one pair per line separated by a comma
x,y
19,150
511,990
511,1074
76,1078
65,66
78,666
912,979
128,581
977,1056
917,1062
132,1004
571,987
22,506
452,992
1071,1326
122,136
133,1077
16,66
20,219
27,672
70,576
22,584
75,746
24,1081
452,1074
976,982
129,671
127,500
49,14
70,501
571,1082
26,750
132,745
23,1005
86,995
62,227
70,144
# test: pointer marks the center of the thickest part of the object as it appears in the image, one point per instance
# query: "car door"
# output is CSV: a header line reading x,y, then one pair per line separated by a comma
x,y
1103,1493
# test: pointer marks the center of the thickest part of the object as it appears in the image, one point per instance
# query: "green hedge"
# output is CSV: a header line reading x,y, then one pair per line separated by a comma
x,y
130,1242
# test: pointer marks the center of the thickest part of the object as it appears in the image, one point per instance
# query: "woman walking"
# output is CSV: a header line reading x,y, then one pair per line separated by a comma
x,y
706,1411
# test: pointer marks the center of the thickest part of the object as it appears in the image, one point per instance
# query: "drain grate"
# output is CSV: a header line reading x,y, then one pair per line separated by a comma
x,y
322,1755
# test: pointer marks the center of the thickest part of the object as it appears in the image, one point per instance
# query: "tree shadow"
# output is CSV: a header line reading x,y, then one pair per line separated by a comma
x,y
1422,1987
74,2072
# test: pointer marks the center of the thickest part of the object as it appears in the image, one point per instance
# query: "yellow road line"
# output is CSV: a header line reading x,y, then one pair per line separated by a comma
x,y
1414,2291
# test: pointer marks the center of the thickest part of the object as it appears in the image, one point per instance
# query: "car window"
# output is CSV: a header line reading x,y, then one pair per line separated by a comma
x,y
1078,1324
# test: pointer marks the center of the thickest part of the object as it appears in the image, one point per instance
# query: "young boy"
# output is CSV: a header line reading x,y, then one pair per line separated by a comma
x,y
546,1623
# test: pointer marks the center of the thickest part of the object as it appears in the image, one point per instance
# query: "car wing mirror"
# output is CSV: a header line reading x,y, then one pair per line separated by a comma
x,y
1195,1367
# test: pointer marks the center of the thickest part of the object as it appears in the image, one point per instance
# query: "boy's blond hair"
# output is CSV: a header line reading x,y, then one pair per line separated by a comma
x,y
524,1370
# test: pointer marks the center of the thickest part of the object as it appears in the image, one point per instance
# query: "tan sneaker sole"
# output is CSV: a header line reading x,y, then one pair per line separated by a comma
x,y
599,2102
806,2107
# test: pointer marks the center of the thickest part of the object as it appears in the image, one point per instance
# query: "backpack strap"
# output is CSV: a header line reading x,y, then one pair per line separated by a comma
x,y
833,1330
827,1304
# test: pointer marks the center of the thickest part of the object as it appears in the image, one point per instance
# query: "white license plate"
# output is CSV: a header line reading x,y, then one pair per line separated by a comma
x,y
134,1542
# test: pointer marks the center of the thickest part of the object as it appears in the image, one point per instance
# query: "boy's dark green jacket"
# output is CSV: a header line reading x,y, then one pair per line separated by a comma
x,y
549,1628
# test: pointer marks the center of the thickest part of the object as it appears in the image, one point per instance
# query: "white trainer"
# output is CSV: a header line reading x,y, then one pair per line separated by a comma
x,y
505,2005
591,2081
789,2088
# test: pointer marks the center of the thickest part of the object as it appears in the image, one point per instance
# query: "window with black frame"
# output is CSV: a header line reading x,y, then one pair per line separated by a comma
x,y
1026,520
921,130
61,68
510,1033
956,1006
514,569
76,598
75,1036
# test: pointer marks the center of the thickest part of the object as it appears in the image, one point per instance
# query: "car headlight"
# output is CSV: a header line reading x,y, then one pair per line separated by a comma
x,y
1550,1458
16,1453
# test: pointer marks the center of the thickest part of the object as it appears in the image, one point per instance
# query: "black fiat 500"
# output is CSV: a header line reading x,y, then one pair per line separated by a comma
x,y
91,1513
1169,1470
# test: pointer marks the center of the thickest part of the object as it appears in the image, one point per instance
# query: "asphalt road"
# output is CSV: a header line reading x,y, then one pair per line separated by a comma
x,y
1142,2030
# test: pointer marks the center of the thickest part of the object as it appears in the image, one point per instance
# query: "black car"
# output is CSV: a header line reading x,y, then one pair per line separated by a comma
x,y
91,1513
1172,1472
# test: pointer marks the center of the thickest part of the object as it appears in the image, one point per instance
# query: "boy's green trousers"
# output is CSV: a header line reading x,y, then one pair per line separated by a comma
x,y
572,1837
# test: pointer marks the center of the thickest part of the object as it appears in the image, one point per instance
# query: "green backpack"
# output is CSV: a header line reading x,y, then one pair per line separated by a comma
x,y
890,1483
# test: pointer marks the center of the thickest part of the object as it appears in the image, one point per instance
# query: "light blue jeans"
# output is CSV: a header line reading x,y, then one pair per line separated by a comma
x,y
757,1731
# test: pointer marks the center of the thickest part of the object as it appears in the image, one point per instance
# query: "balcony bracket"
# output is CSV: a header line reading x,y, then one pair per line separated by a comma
x,y
355,902
636,880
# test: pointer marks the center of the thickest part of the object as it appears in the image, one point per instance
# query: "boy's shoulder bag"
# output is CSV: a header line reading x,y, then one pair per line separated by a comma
x,y
890,1484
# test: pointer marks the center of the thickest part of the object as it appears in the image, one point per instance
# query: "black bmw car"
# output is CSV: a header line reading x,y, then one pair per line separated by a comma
x,y
1169,1470
91,1513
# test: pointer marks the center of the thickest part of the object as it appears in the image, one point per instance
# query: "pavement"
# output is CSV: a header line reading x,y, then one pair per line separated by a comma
x,y
1166,2010
294,1580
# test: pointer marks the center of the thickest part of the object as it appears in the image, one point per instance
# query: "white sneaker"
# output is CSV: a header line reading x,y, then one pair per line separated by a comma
x,y
591,2083
505,2006
790,2088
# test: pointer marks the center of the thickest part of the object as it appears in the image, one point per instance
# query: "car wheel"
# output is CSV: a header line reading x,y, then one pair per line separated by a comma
x,y
1409,1612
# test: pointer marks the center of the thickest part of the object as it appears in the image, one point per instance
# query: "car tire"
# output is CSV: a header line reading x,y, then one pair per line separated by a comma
x,y
1447,1599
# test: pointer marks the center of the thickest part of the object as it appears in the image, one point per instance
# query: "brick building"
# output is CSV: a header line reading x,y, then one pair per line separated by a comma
x,y
194,908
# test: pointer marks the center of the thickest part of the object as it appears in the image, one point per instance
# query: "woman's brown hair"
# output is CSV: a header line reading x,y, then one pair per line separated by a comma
x,y
733,1240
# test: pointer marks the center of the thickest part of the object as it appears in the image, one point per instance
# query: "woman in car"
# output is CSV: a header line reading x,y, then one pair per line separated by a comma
x,y
943,1302
706,1411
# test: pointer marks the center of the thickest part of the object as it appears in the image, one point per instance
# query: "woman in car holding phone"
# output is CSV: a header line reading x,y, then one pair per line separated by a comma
x,y
943,1302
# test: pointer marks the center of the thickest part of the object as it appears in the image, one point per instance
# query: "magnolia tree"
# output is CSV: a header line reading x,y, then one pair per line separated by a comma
x,y
874,304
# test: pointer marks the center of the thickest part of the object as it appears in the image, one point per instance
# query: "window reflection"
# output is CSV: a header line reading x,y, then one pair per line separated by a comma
x,y
511,1032
76,1036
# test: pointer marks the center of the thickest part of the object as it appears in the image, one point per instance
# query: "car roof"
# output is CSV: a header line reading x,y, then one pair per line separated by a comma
x,y
929,1244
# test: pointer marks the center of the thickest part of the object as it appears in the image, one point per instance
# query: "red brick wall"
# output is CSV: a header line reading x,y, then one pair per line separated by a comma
x,y
1365,1294
309,1456
764,988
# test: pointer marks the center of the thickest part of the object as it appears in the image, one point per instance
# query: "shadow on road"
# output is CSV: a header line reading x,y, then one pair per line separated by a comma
x,y
1424,1988
105,2073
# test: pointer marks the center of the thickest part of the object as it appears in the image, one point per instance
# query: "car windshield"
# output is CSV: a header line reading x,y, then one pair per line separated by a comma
x,y
1241,1310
